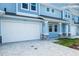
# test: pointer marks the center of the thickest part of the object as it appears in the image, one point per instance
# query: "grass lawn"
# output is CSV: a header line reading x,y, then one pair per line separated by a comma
x,y
68,42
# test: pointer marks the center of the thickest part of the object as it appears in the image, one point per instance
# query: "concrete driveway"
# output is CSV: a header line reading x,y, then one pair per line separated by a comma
x,y
36,48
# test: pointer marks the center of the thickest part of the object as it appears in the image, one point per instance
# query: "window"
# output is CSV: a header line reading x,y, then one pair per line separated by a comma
x,y
78,18
66,15
48,9
25,5
55,28
52,10
33,6
50,28
72,18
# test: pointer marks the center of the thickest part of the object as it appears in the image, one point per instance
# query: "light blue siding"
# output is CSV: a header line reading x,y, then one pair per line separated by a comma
x,y
75,18
53,35
43,11
67,12
10,7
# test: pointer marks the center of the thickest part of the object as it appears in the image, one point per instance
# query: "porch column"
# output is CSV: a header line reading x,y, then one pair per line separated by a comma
x,y
67,29
45,30
60,29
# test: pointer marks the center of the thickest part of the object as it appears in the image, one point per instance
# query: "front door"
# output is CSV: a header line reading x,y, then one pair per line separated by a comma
x,y
53,30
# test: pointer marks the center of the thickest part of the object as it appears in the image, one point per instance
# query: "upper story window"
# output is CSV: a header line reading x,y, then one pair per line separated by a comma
x,y
25,6
52,10
73,18
33,6
68,16
78,19
48,9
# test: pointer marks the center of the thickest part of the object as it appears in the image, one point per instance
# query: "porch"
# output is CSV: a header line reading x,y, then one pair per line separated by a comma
x,y
57,30
53,28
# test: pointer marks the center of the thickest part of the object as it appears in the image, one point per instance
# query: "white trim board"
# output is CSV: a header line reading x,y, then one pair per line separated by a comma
x,y
24,18
55,20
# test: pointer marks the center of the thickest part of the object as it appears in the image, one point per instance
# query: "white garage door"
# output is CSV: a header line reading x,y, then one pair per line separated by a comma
x,y
73,30
20,30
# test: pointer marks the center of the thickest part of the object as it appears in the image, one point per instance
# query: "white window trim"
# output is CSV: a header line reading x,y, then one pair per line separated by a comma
x,y
39,9
53,27
25,14
33,10
24,8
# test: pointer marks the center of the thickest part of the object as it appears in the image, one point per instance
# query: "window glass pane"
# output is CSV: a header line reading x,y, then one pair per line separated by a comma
x,y
25,5
72,18
50,28
47,9
52,10
78,19
33,6
55,28
68,16
65,15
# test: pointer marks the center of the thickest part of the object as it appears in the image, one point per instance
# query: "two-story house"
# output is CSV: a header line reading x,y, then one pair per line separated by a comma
x,y
34,21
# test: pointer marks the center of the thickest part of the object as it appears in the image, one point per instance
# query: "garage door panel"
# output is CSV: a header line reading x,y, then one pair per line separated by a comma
x,y
19,31
73,30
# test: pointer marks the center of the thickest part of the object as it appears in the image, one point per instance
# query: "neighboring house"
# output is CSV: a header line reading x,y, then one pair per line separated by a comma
x,y
34,21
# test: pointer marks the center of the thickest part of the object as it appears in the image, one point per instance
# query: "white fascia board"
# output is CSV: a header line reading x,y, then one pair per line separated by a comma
x,y
24,18
55,20
2,12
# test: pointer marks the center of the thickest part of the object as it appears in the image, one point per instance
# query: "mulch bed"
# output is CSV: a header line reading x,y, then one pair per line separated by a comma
x,y
75,47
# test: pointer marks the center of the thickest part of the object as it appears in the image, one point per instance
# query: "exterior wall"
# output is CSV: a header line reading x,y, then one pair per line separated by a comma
x,y
54,34
10,7
73,30
75,19
17,28
19,9
63,28
77,30
0,26
0,31
68,13
43,11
